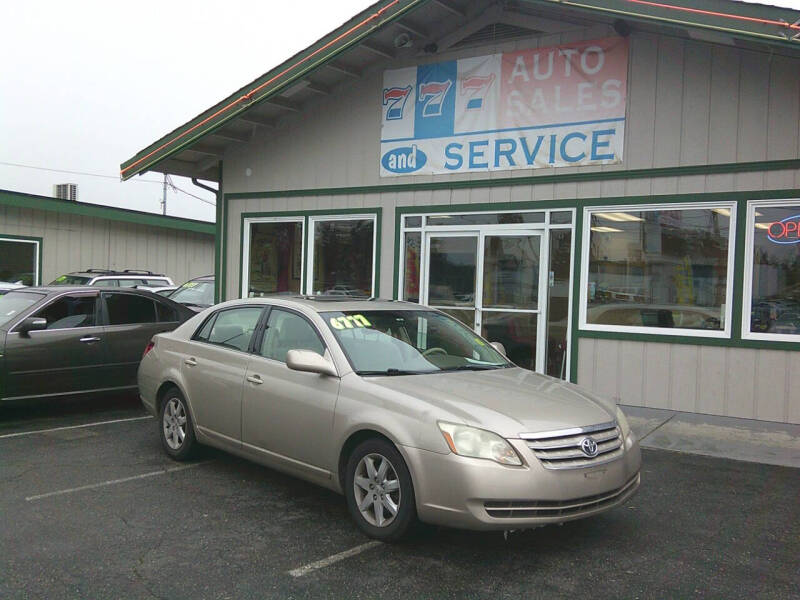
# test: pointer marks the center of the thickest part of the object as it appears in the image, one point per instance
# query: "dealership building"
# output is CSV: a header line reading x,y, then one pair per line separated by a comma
x,y
42,238
609,188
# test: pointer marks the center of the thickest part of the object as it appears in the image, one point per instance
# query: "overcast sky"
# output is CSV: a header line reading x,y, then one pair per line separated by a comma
x,y
86,84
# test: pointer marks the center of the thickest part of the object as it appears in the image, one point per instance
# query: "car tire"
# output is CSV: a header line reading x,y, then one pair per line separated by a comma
x,y
176,427
375,468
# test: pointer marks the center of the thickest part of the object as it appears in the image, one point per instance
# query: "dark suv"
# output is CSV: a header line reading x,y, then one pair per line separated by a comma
x,y
73,340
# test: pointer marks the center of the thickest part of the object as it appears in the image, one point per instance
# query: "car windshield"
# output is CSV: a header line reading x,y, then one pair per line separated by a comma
x,y
410,342
199,293
13,303
71,280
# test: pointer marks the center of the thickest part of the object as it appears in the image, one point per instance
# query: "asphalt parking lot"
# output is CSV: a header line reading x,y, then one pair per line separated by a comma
x,y
99,511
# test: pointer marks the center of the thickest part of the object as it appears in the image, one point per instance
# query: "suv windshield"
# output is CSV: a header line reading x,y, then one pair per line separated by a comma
x,y
199,293
407,342
13,303
71,280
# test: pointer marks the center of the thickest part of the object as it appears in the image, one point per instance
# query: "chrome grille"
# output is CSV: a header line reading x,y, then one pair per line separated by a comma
x,y
562,449
521,509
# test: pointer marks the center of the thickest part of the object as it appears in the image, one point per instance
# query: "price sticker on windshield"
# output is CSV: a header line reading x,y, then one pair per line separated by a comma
x,y
349,322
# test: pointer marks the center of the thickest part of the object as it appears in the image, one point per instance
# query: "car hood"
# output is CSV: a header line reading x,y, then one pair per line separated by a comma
x,y
506,401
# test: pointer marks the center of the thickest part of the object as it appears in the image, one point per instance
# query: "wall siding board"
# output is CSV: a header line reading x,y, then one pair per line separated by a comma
x,y
769,386
753,98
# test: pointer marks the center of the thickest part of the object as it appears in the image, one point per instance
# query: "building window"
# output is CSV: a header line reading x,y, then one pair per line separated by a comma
x,y
342,256
772,286
411,264
275,257
663,269
19,261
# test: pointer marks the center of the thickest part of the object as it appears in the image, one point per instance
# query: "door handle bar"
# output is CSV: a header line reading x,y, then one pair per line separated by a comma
x,y
190,362
89,339
256,379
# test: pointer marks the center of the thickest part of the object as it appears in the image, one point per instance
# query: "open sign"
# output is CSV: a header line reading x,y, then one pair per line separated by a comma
x,y
786,231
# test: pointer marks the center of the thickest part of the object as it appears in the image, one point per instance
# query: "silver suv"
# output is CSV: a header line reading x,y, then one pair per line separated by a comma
x,y
129,278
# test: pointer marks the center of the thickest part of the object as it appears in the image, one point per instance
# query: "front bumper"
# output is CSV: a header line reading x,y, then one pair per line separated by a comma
x,y
483,495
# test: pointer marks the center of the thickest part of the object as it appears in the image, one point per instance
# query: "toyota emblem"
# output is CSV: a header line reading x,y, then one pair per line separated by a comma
x,y
589,447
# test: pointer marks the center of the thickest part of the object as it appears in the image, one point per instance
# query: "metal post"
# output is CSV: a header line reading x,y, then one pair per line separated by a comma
x,y
164,198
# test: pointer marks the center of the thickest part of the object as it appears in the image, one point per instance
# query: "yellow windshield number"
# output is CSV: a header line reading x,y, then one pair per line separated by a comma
x,y
349,322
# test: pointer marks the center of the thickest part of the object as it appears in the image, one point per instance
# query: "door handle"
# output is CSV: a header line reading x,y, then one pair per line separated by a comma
x,y
89,339
190,362
255,379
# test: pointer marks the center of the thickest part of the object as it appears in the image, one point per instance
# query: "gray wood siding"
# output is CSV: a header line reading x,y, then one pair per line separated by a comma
x,y
74,243
733,382
689,103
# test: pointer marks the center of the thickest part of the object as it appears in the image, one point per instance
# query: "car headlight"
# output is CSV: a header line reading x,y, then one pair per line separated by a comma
x,y
479,443
623,423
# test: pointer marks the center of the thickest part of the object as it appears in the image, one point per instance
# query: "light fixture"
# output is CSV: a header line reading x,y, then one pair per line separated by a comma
x,y
604,229
403,40
762,225
618,217
725,212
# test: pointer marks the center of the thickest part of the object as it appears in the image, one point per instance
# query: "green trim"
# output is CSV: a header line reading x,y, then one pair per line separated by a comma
x,y
580,177
40,251
31,201
293,72
218,237
305,214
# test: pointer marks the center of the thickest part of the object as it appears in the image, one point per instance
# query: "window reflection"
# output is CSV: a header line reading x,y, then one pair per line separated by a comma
x,y
275,258
775,304
343,257
411,267
660,268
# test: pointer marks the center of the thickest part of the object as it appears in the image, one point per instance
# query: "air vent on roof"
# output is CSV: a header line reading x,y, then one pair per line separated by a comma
x,y
498,32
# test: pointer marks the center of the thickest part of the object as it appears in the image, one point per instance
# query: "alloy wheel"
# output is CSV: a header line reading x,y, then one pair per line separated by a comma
x,y
377,490
174,423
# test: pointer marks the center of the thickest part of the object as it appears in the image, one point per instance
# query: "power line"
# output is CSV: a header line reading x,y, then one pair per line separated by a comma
x,y
88,174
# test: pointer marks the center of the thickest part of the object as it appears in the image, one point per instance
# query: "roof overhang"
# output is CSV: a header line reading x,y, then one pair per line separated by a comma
x,y
375,37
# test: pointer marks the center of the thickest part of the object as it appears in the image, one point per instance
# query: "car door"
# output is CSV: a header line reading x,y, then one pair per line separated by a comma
x,y
214,369
69,356
289,414
131,320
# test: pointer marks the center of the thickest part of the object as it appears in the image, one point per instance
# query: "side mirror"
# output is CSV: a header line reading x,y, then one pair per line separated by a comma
x,y
500,348
309,362
32,324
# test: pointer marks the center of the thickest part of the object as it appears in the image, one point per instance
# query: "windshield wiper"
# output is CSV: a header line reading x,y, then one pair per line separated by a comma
x,y
393,372
474,368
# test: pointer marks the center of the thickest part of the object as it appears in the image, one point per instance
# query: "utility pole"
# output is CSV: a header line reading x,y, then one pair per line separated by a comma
x,y
164,198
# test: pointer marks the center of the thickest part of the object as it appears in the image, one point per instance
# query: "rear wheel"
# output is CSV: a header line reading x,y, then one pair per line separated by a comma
x,y
177,432
379,491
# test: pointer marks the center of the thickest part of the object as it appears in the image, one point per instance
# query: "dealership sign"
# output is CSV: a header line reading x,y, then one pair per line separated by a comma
x,y
546,107
786,231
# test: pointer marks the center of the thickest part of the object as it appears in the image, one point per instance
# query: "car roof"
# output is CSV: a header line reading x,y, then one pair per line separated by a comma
x,y
108,273
323,303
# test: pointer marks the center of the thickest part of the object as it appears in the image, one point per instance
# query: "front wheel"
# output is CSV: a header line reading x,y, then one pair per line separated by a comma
x,y
177,432
379,491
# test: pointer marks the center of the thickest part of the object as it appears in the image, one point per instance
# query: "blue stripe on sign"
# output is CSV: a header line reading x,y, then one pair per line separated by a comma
x,y
488,131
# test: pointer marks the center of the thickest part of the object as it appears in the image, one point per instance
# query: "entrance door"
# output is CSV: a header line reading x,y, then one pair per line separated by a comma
x,y
491,280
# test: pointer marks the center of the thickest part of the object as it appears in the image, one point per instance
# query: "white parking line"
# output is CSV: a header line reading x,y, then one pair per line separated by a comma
x,y
35,431
93,486
321,564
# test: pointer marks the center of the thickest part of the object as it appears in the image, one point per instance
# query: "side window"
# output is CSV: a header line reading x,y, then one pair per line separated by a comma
x,y
233,328
288,331
130,283
166,314
106,283
156,282
127,309
70,312
205,330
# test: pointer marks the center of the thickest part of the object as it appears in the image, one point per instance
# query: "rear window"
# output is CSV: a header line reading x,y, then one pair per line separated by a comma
x,y
70,280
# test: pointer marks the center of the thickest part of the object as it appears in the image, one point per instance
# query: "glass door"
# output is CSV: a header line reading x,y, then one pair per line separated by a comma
x,y
451,264
491,281
510,303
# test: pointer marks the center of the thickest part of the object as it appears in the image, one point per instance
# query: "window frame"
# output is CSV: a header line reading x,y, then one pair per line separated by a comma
x,y
312,223
99,312
724,333
247,231
747,282
120,291
265,309
37,254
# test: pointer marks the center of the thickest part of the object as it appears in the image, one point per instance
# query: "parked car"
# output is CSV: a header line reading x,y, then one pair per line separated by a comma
x,y
101,277
197,294
57,341
400,407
